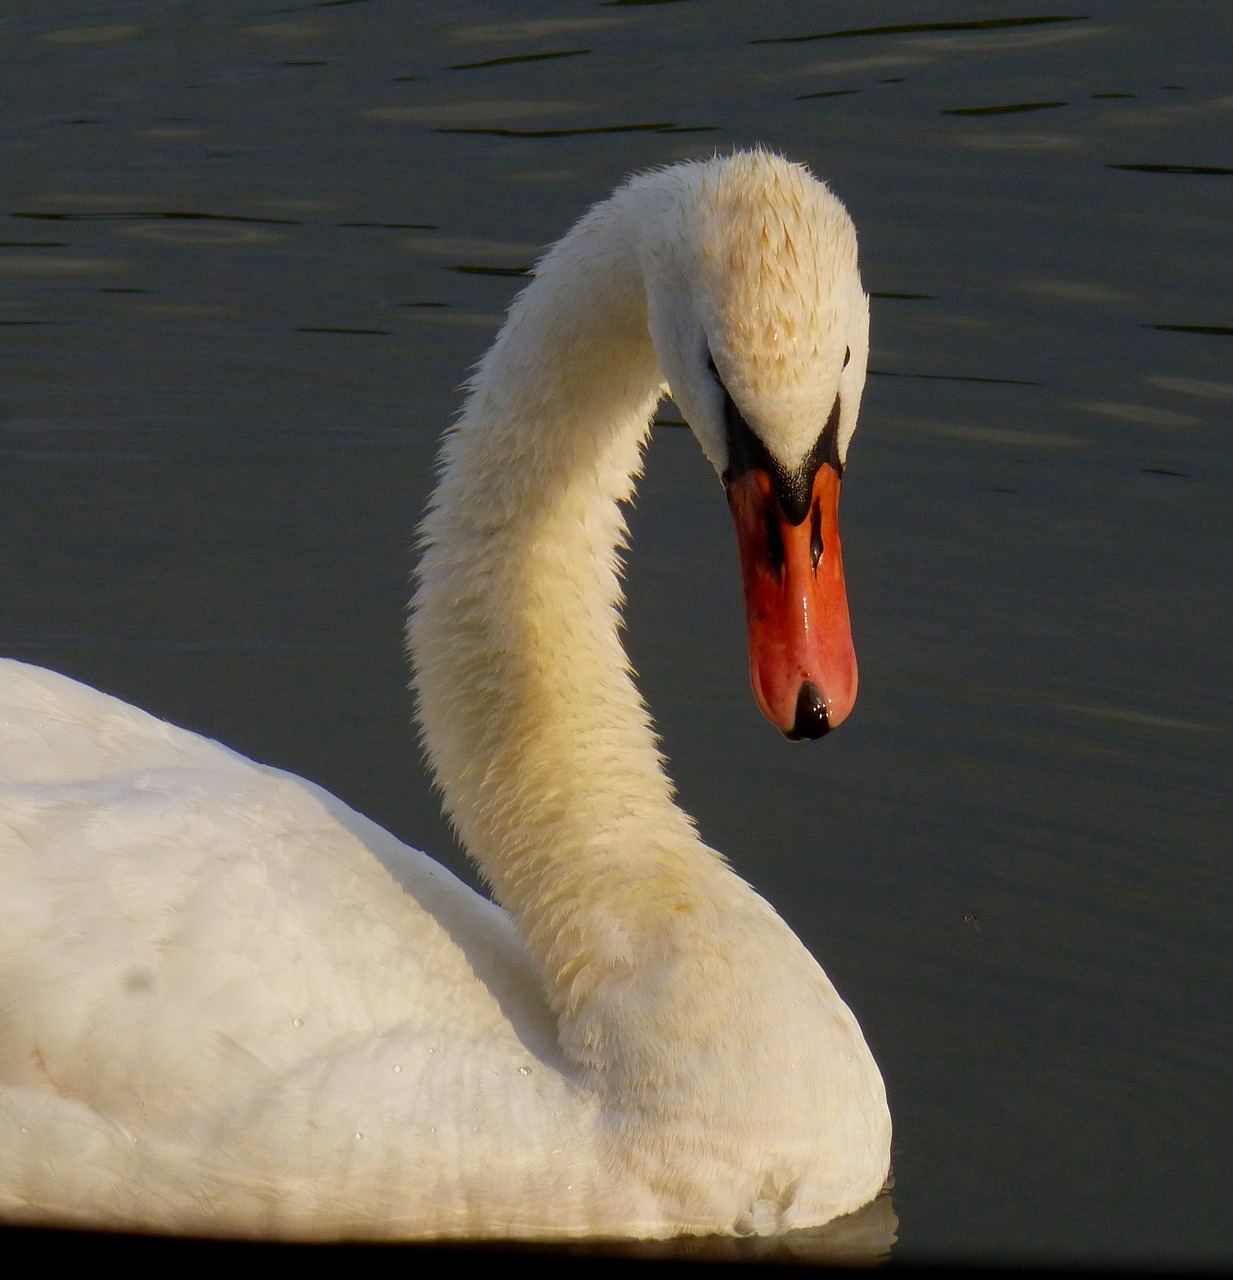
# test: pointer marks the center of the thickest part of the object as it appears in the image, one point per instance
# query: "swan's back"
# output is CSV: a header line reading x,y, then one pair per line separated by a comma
x,y
216,992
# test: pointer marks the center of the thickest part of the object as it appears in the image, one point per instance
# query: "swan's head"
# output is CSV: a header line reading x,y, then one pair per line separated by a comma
x,y
761,326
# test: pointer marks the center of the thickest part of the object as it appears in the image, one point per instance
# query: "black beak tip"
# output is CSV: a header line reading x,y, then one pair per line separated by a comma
x,y
811,721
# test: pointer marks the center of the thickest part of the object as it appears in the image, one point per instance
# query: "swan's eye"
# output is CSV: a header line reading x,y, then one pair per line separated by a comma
x,y
815,537
847,355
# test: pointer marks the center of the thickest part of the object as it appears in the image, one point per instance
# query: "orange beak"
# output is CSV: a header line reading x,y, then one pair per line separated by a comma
x,y
801,661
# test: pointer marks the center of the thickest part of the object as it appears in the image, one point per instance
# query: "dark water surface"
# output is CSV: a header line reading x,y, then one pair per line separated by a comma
x,y
247,253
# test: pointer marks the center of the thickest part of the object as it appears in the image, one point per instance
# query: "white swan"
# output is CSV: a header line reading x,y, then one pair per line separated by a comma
x,y
220,1013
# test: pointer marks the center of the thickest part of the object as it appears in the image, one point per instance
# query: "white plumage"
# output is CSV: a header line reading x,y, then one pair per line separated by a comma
x,y
229,1004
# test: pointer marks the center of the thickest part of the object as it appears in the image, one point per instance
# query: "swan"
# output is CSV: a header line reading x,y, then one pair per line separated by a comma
x,y
231,1005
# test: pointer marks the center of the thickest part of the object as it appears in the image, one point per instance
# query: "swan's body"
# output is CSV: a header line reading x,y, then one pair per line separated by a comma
x,y
221,1013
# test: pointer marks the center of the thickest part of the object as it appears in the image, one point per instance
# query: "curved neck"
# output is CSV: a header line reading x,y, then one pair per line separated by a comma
x,y
538,737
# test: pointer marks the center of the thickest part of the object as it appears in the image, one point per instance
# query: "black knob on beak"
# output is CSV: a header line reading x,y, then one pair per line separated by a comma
x,y
811,721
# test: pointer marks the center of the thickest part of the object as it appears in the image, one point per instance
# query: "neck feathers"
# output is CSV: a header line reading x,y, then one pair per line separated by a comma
x,y
538,737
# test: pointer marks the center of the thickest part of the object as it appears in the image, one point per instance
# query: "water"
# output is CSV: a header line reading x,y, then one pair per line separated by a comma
x,y
246,257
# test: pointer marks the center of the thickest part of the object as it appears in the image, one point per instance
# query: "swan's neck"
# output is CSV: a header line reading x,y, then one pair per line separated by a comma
x,y
538,737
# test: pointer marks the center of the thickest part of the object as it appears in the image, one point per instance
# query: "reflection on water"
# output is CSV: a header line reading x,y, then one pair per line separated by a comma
x,y
245,264
860,1239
